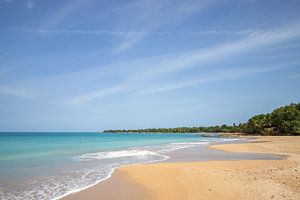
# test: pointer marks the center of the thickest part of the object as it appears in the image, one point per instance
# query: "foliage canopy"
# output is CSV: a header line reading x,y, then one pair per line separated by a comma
x,y
282,121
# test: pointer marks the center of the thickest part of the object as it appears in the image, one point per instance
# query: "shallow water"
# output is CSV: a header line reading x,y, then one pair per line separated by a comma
x,y
49,165
204,153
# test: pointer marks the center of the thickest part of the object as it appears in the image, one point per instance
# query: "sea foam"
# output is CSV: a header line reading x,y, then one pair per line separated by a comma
x,y
116,154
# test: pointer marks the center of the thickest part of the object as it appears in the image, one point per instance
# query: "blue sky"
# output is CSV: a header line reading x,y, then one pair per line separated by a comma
x,y
88,65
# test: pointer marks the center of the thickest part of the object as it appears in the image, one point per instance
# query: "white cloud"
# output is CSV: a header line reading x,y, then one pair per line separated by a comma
x,y
186,60
216,76
157,68
138,74
30,5
16,91
130,40
58,17
150,16
146,17
86,98
294,76
86,32
167,87
132,35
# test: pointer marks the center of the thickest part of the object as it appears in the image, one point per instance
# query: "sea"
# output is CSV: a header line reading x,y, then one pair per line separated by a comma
x,y
46,165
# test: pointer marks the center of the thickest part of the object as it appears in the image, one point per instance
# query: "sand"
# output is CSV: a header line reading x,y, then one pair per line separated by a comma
x,y
230,179
117,187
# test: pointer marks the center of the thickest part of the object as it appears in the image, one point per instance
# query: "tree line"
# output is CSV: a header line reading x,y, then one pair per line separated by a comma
x,y
281,121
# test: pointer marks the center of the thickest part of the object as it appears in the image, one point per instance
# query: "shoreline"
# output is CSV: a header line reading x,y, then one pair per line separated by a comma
x,y
166,155
131,173
87,187
106,178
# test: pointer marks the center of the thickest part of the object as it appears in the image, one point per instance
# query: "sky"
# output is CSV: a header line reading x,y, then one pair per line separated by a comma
x,y
89,65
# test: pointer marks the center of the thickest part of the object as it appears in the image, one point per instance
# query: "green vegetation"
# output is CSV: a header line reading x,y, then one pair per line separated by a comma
x,y
282,121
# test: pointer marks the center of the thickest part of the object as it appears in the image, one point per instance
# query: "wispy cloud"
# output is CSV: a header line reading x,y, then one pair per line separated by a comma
x,y
84,32
216,76
88,97
134,34
294,76
7,1
58,17
198,58
129,40
168,87
16,91
30,4
137,75
157,68
153,15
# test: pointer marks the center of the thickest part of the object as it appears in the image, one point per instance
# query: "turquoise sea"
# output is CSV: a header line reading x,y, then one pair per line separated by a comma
x,y
50,165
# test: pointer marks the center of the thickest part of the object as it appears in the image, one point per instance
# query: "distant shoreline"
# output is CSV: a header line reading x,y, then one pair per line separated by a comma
x,y
204,134
281,121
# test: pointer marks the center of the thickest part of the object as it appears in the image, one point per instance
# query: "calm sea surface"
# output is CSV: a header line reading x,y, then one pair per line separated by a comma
x,y
49,165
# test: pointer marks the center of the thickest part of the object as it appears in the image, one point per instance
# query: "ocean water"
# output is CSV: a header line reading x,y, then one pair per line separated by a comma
x,y
51,165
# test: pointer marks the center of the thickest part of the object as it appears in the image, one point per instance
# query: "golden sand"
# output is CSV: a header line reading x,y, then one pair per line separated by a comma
x,y
246,179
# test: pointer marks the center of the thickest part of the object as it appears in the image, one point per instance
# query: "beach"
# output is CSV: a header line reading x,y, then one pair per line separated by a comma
x,y
228,178
52,165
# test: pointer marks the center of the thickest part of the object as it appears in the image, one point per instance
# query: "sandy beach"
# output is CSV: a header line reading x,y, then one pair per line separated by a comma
x,y
214,179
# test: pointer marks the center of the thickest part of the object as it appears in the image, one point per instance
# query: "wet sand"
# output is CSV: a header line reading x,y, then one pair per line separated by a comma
x,y
184,176
115,188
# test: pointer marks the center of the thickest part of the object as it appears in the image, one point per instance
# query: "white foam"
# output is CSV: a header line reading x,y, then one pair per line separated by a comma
x,y
191,143
83,188
230,139
163,157
141,152
116,154
182,145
